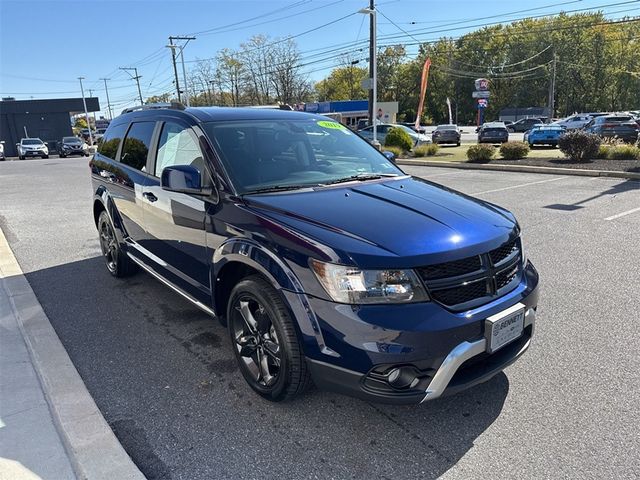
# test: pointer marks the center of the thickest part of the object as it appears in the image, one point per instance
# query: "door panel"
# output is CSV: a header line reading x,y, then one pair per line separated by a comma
x,y
176,222
131,177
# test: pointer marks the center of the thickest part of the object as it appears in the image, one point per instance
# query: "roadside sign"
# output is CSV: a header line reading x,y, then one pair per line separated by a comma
x,y
482,84
483,103
481,94
367,83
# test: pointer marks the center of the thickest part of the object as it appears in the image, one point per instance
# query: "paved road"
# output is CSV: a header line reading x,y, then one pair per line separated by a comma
x,y
164,376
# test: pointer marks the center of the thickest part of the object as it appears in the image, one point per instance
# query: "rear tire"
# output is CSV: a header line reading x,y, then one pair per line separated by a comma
x,y
265,341
118,263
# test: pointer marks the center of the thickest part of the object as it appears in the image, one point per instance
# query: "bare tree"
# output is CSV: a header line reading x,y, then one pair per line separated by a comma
x,y
230,73
257,56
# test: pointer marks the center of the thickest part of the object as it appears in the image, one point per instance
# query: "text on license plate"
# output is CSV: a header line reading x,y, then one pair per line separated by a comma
x,y
504,327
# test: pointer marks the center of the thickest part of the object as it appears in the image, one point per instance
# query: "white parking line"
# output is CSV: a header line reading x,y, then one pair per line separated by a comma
x,y
518,186
628,212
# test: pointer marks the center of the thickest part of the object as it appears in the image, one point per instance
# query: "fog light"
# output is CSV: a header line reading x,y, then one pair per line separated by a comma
x,y
401,377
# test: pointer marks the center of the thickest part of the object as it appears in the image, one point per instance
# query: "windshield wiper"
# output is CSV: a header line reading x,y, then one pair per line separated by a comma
x,y
278,188
360,177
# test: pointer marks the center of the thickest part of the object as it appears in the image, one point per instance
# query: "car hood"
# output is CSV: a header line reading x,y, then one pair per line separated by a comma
x,y
401,222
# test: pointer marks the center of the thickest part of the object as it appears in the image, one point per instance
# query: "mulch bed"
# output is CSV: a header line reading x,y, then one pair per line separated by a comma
x,y
598,164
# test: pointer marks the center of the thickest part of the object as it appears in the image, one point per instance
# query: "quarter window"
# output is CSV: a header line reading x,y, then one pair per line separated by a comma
x,y
111,140
136,145
178,146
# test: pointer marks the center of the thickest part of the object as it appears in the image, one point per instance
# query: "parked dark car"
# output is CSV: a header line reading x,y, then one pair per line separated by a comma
x,y
72,146
494,132
524,124
446,134
623,127
325,261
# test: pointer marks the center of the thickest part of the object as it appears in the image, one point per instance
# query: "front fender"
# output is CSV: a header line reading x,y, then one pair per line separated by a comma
x,y
261,259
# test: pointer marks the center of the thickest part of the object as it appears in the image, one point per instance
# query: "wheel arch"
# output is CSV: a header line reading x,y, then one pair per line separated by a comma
x,y
238,258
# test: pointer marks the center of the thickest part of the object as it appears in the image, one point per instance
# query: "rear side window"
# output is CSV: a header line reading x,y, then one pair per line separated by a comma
x,y
136,145
111,140
178,146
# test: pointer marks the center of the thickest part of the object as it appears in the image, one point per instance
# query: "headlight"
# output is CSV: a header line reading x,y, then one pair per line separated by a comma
x,y
354,286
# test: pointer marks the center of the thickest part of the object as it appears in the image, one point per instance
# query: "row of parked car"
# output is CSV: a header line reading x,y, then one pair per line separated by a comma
x,y
35,147
623,126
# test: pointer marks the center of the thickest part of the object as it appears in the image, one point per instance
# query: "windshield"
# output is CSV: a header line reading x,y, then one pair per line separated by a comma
x,y
407,129
32,141
262,154
71,140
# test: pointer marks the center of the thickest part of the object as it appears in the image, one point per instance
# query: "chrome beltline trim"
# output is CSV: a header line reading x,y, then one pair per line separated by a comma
x,y
149,270
464,352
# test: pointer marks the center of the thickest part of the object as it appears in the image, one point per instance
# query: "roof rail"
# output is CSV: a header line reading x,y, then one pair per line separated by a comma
x,y
149,106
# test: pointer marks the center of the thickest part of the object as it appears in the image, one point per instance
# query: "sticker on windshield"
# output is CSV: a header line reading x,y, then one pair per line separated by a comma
x,y
333,125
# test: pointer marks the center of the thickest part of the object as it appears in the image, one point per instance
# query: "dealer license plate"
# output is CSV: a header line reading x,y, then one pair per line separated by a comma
x,y
504,327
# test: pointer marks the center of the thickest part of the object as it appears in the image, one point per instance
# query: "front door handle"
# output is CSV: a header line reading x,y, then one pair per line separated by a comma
x,y
149,196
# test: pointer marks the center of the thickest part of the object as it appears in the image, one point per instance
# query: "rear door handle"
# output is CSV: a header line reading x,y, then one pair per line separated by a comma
x,y
149,196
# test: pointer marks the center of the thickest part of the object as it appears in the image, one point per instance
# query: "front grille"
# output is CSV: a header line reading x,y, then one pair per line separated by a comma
x,y
473,281
461,294
503,252
451,269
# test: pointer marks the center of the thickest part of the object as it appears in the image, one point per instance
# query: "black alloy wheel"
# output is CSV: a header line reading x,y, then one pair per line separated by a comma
x,y
265,341
118,264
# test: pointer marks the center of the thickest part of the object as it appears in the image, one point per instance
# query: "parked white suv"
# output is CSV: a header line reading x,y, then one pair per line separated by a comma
x,y
32,147
573,122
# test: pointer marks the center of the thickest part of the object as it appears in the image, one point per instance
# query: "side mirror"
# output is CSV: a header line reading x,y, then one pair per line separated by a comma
x,y
183,179
390,156
46,143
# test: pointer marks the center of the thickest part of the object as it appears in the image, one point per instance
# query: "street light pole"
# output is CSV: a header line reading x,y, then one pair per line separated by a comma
x,y
108,101
373,68
86,112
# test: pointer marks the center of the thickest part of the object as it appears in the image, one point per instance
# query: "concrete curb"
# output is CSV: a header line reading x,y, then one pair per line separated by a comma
x,y
520,168
93,449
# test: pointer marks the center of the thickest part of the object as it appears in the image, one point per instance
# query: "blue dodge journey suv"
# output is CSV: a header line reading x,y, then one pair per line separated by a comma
x,y
324,260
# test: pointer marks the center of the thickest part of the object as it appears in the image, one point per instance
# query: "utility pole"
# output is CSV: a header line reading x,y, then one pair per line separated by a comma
x,y
373,71
372,57
552,88
94,113
175,71
108,101
136,78
86,113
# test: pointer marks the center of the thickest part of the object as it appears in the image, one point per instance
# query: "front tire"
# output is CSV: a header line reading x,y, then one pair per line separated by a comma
x,y
265,341
118,263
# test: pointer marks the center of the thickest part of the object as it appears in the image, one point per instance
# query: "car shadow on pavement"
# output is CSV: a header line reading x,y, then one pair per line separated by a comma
x,y
622,187
165,378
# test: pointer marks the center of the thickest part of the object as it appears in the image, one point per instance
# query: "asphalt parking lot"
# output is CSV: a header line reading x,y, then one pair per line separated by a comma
x,y
164,376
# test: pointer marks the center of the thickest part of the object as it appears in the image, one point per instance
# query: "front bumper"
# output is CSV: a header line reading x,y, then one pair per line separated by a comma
x,y
444,352
35,153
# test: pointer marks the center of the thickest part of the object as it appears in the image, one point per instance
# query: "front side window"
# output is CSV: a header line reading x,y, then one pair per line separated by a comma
x,y
259,154
111,140
178,146
136,145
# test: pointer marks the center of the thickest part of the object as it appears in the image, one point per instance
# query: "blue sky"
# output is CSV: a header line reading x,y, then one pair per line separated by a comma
x,y
46,45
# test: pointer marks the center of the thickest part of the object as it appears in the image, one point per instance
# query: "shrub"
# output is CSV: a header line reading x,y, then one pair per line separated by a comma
x,y
624,152
430,149
397,137
603,151
397,151
480,153
514,150
579,146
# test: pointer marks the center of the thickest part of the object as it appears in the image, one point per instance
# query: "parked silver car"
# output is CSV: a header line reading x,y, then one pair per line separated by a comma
x,y
383,129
